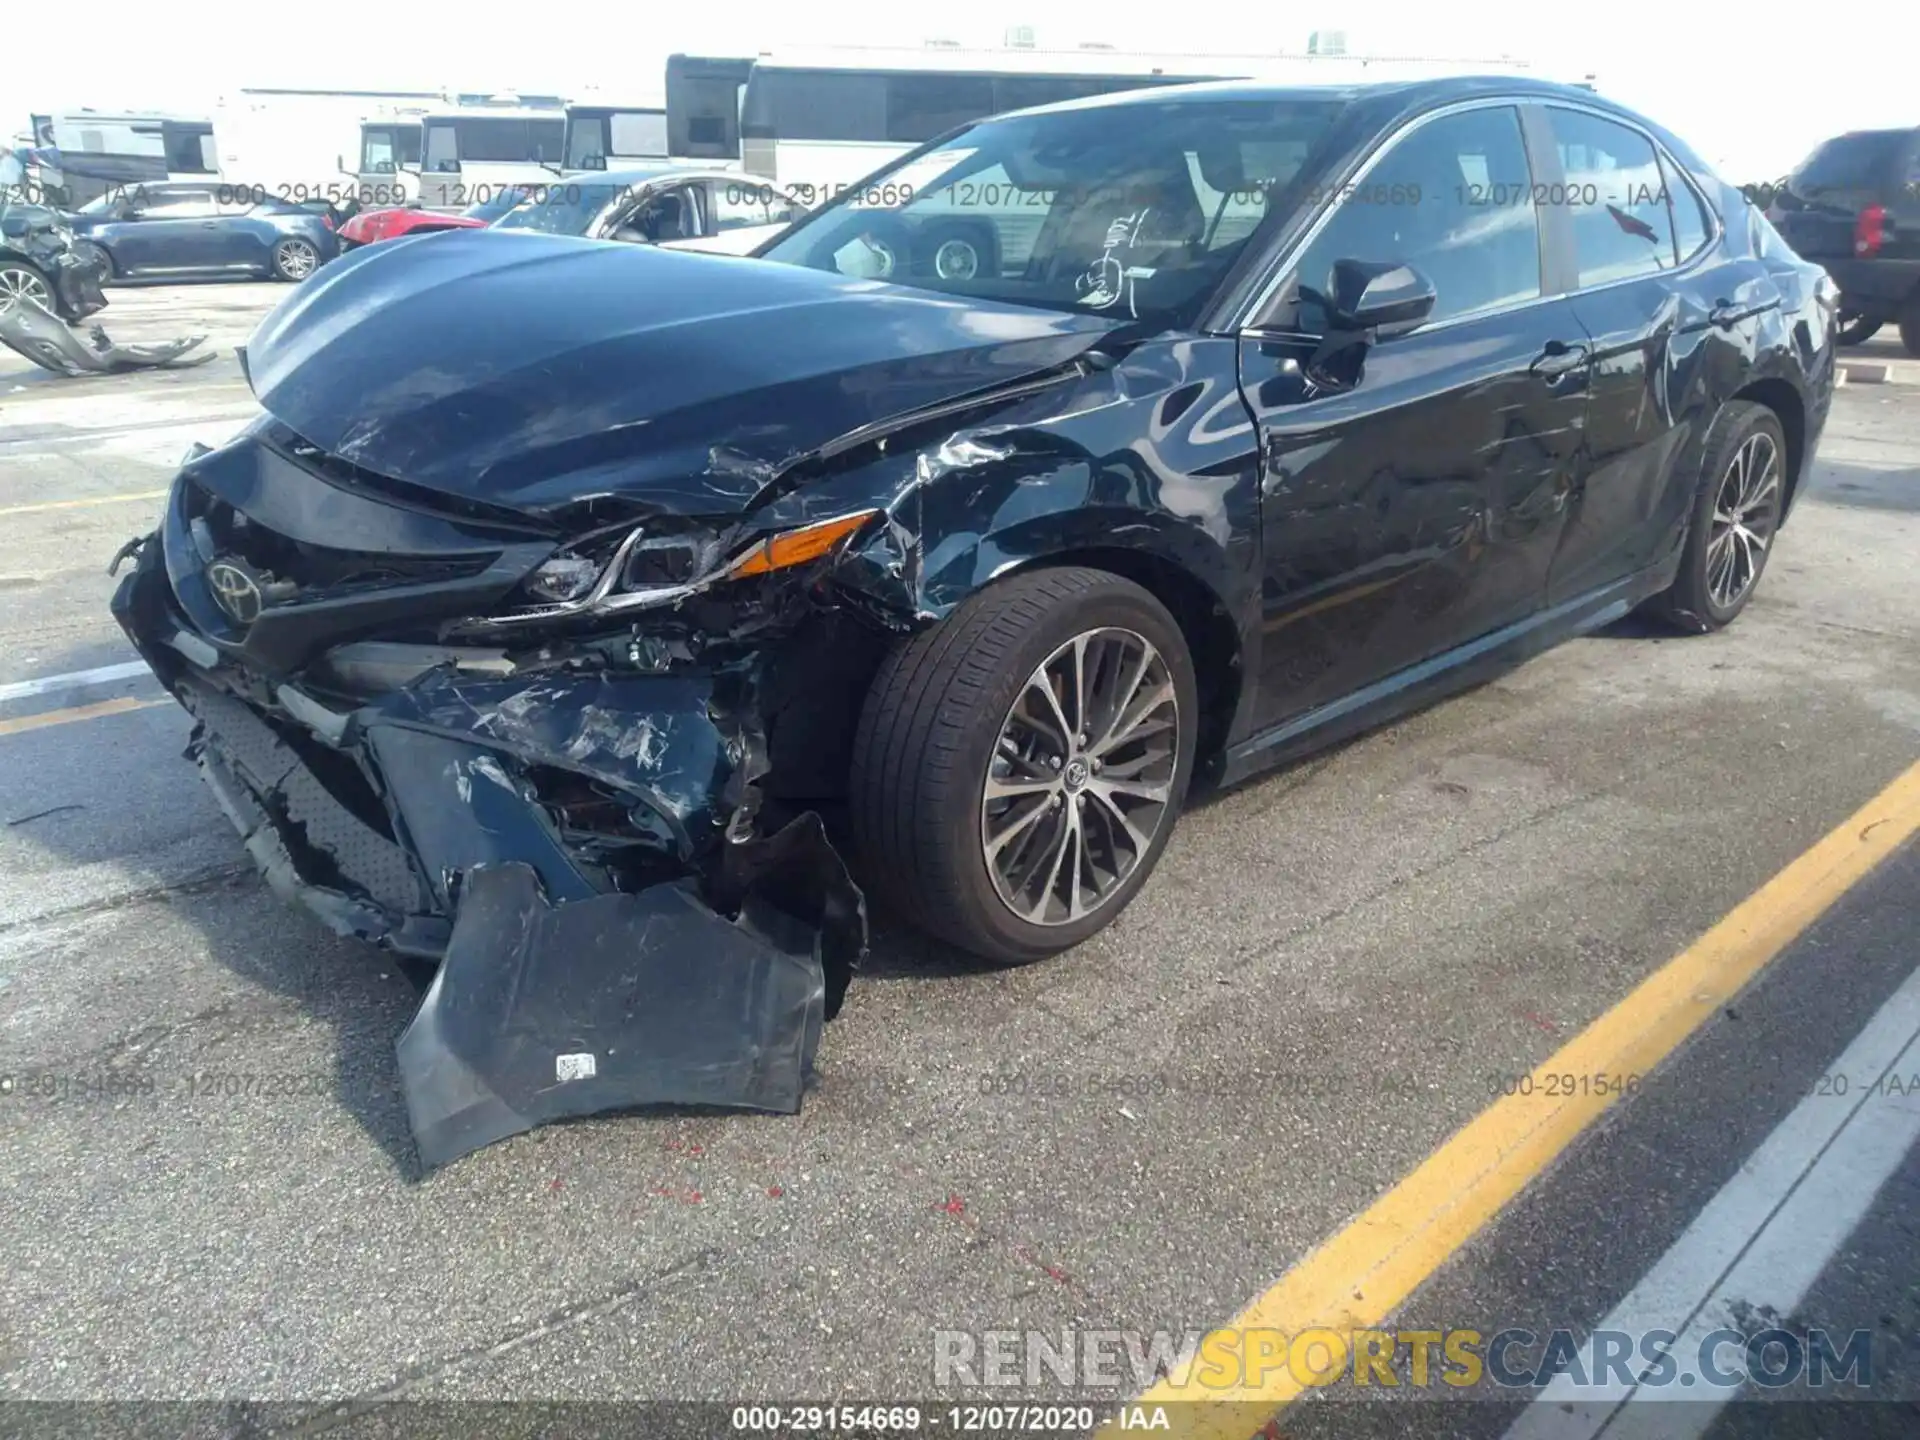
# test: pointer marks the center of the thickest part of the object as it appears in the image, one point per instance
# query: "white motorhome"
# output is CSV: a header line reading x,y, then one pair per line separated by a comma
x,y
471,152
818,121
607,131
388,167
82,153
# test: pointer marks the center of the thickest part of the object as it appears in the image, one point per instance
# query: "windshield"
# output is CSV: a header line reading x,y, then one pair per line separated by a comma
x,y
1136,210
567,209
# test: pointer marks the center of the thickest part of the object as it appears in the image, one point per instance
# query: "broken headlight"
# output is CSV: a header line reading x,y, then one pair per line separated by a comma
x,y
647,567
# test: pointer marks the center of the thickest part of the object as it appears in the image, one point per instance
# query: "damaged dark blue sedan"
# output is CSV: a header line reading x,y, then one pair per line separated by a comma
x,y
574,607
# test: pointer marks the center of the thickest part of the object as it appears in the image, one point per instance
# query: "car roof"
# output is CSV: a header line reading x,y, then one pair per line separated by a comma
x,y
1422,93
1381,106
633,175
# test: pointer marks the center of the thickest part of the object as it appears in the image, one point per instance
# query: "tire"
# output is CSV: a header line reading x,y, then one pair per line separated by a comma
x,y
1703,597
1910,325
18,278
294,259
961,252
930,738
1856,329
101,257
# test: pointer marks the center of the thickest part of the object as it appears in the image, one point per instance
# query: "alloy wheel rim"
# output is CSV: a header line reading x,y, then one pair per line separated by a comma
x,y
296,258
1746,509
956,260
17,285
1081,779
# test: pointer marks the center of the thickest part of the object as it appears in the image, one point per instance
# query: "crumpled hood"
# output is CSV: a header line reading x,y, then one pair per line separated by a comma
x,y
534,370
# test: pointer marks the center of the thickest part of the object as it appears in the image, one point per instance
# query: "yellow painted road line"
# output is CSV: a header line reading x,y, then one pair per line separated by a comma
x,y
1355,1280
78,712
81,503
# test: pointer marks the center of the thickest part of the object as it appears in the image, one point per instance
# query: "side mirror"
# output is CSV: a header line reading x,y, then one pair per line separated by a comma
x,y
1384,297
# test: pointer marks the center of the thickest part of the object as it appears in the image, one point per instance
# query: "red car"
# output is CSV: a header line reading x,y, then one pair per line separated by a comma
x,y
392,222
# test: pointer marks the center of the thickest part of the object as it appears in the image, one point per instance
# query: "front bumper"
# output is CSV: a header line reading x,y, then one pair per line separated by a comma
x,y
578,848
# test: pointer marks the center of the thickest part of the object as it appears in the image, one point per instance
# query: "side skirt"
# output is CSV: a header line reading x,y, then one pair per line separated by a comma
x,y
1448,673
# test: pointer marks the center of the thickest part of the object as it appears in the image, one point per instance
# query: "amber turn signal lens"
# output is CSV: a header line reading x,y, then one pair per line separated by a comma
x,y
797,547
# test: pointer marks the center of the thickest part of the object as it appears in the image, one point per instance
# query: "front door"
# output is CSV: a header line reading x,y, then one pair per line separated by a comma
x,y
1413,501
175,230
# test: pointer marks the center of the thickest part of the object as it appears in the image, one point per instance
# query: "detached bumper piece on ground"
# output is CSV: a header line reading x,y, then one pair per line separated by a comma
x,y
576,847
52,343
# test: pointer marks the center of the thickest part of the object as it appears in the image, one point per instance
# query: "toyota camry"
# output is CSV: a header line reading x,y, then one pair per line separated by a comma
x,y
606,624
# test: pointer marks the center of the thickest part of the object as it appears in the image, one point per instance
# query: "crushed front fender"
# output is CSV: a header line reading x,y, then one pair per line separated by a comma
x,y
675,955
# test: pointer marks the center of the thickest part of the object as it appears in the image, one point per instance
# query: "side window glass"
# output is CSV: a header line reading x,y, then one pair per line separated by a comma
x,y
737,205
1690,229
183,205
1622,226
1454,199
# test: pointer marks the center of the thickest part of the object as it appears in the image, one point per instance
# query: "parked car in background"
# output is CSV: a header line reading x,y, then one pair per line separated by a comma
x,y
686,209
1853,206
182,231
393,221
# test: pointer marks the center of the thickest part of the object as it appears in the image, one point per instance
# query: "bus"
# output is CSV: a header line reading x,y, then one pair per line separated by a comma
x,y
703,108
469,152
388,170
820,121
83,153
604,133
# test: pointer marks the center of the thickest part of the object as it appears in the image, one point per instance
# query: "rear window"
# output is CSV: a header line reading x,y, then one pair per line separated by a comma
x,y
1852,162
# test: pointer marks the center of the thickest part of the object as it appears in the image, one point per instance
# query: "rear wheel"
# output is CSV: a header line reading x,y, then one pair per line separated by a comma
x,y
1019,767
1742,496
295,259
960,253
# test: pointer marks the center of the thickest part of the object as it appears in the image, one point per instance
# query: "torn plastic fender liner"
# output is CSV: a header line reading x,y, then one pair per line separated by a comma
x,y
543,1012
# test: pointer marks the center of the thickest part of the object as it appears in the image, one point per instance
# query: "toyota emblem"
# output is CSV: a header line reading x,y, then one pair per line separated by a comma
x,y
235,591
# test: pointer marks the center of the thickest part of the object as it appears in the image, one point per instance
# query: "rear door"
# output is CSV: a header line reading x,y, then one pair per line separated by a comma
x,y
1662,306
1416,505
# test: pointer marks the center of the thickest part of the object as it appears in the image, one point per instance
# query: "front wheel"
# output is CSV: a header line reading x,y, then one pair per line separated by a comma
x,y
1019,767
21,281
295,259
1735,519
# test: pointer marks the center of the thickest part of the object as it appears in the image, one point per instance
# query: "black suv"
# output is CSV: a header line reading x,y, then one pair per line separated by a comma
x,y
1853,206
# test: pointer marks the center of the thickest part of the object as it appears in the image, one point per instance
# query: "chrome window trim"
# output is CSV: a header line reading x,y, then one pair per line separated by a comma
x,y
1292,256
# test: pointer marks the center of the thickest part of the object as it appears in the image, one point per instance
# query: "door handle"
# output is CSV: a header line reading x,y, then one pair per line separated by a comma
x,y
209,224
1558,359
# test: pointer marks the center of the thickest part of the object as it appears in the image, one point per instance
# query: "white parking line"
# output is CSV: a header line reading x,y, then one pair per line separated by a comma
x,y
1759,1245
47,684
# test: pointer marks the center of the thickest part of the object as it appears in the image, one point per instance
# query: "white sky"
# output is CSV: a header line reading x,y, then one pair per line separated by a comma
x,y
1752,88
